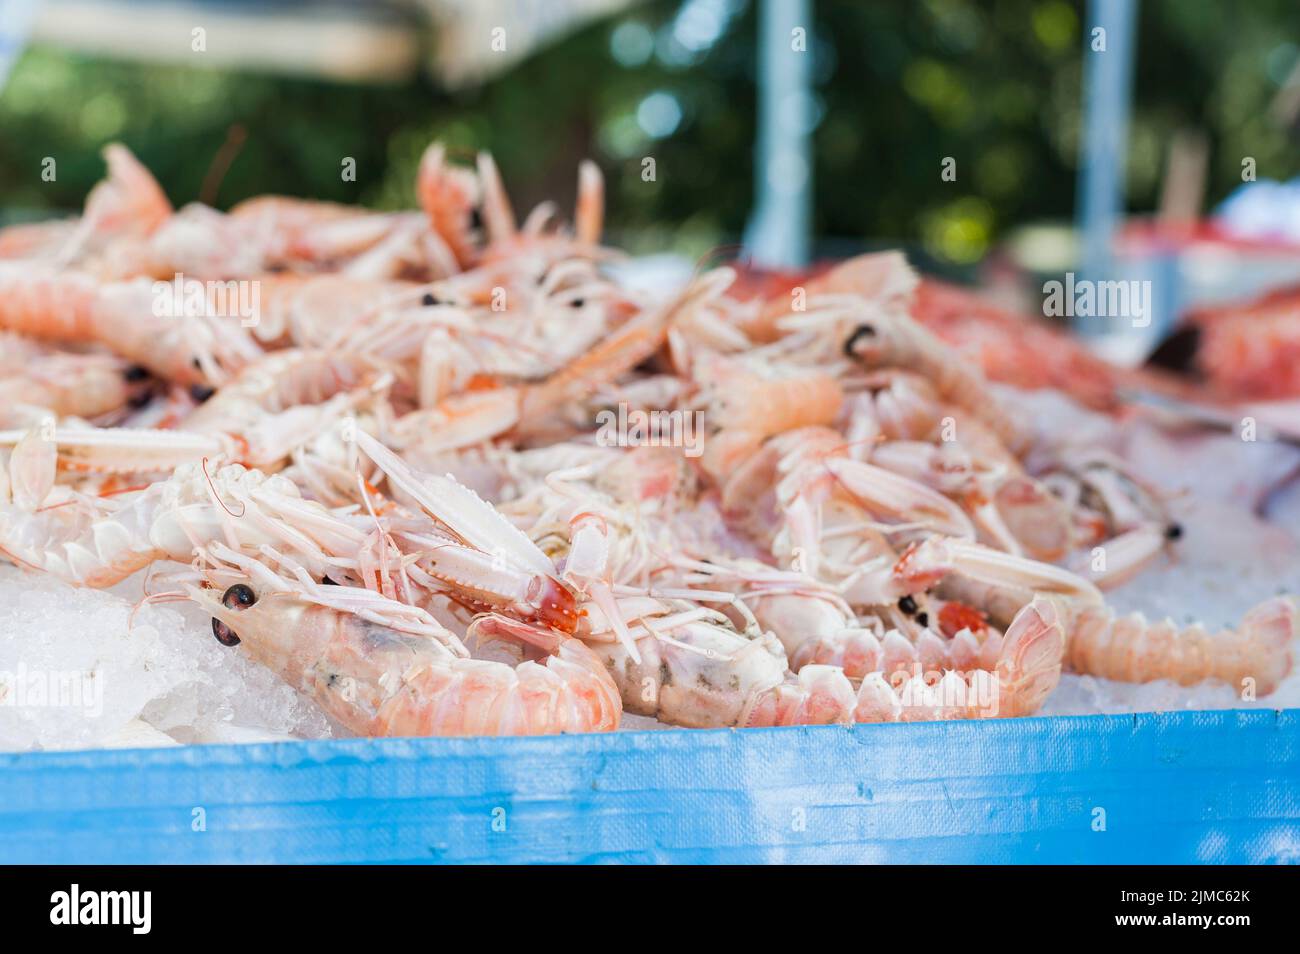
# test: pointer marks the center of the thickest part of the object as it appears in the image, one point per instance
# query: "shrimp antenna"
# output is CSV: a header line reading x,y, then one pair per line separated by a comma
x,y
724,254
236,136
243,507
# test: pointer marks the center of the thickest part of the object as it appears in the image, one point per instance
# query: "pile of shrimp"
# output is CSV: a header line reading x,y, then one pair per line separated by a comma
x,y
445,475
1250,349
1010,347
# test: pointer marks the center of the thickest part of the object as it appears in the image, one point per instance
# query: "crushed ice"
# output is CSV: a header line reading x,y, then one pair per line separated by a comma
x,y
79,670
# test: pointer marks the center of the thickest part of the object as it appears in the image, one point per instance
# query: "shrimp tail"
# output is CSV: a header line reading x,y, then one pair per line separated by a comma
x,y
1259,653
1027,669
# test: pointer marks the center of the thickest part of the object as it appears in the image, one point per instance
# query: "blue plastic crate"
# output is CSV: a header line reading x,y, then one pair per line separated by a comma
x,y
1185,787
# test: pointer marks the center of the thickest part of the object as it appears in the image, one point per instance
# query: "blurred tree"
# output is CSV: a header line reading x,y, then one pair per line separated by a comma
x,y
900,86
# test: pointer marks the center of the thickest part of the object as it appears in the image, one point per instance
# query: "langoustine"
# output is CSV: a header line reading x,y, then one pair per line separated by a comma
x,y
863,538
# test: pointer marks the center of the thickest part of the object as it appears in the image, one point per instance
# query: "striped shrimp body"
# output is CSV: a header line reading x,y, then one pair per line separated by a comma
x,y
1258,653
815,631
819,629
1133,649
993,675
696,671
1027,669
100,542
126,317
407,676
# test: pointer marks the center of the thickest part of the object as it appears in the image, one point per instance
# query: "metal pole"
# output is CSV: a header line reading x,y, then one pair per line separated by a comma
x,y
1107,91
778,234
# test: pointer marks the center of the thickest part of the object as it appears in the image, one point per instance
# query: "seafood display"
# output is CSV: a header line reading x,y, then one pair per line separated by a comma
x,y
444,474
1250,350
1008,346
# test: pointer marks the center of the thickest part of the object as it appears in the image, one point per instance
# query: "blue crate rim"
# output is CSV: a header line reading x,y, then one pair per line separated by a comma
x,y
1190,786
291,752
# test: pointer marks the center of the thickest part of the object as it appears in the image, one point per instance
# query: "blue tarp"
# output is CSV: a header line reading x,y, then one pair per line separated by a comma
x,y
1184,787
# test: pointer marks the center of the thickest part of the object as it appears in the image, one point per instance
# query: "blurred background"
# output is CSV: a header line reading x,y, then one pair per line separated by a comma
x,y
283,90
998,142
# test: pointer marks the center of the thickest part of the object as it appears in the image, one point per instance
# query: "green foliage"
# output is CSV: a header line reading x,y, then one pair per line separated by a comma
x,y
994,85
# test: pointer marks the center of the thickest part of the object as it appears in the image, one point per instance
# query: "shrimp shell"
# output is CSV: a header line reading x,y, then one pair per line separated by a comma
x,y
381,681
1131,649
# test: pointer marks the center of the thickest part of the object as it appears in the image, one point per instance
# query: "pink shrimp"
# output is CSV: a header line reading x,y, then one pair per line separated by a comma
x,y
698,672
449,196
126,317
1131,649
751,407
77,385
406,679
130,199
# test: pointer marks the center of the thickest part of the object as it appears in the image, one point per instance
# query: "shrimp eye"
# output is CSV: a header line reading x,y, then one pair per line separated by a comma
x,y
862,331
238,596
201,392
225,635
